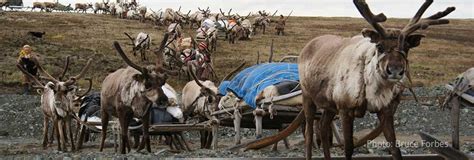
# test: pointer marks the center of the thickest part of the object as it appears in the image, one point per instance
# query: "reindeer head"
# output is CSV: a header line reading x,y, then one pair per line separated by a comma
x,y
392,45
64,91
152,77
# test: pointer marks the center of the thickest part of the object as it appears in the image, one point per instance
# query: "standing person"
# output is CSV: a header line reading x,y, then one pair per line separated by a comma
x,y
25,59
280,26
203,62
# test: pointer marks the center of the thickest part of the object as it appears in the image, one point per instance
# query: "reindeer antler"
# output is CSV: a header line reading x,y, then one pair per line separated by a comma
x,y
220,10
415,23
194,76
73,80
40,67
127,60
66,66
130,37
88,89
29,75
233,72
373,20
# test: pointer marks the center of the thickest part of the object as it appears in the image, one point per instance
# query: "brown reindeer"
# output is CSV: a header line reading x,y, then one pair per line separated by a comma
x,y
60,91
376,66
130,92
82,7
39,5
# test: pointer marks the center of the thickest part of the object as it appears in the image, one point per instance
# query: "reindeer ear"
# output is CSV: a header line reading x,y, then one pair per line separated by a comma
x,y
414,40
372,34
139,77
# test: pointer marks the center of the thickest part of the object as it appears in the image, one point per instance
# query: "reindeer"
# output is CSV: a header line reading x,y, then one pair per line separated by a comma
x,y
129,92
376,66
39,5
223,16
262,21
121,9
170,16
112,6
50,6
140,44
82,7
209,36
142,10
60,91
235,32
104,7
200,99
155,17
198,17
247,27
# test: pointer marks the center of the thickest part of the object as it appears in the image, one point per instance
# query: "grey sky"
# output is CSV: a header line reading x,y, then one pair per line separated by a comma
x,y
326,8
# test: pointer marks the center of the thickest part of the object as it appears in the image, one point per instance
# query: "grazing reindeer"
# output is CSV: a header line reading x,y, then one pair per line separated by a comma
x,y
104,7
377,64
39,5
140,44
262,21
82,7
130,92
57,91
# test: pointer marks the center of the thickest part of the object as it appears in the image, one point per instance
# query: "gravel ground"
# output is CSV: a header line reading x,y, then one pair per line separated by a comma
x,y
21,130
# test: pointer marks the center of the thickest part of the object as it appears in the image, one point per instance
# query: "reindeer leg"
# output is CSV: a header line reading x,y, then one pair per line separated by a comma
x,y
215,130
78,129
51,137
124,120
258,114
309,109
145,136
56,131
286,142
347,128
209,139
203,138
105,123
45,131
317,131
325,123
62,140
69,129
181,135
275,146
237,120
386,117
82,134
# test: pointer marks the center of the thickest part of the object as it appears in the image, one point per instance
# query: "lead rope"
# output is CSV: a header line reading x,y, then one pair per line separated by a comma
x,y
410,83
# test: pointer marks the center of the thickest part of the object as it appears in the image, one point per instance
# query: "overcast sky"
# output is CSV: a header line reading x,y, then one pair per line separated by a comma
x,y
326,8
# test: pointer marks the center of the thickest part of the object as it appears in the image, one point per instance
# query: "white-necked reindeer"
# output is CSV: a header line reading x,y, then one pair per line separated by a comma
x,y
371,80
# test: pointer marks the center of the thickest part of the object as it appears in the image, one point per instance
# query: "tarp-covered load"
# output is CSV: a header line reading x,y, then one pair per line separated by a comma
x,y
251,81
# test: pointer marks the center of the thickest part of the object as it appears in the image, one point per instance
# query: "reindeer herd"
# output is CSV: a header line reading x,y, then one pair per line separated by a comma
x,y
371,81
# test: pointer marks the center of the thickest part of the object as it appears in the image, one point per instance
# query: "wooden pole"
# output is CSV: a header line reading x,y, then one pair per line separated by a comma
x,y
455,121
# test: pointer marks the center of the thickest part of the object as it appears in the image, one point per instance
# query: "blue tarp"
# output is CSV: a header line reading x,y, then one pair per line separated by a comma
x,y
251,81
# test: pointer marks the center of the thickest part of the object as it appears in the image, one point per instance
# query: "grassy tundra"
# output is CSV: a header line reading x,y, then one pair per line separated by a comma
x,y
444,53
